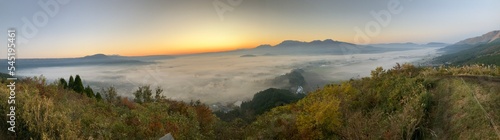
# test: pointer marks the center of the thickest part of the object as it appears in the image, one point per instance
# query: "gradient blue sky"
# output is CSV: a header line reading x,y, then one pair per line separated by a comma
x,y
153,27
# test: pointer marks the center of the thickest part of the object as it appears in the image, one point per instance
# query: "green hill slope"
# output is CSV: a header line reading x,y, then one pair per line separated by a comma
x,y
481,54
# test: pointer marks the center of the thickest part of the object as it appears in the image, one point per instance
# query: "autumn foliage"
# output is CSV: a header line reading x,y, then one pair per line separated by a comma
x,y
397,103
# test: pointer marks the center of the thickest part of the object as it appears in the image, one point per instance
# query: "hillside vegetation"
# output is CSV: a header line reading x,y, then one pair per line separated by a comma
x,y
404,102
261,102
488,53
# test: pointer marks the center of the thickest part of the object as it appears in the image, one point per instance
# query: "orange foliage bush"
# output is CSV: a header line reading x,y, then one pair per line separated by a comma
x,y
127,103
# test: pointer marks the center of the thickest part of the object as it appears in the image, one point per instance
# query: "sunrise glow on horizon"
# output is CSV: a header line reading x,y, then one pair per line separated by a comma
x,y
138,28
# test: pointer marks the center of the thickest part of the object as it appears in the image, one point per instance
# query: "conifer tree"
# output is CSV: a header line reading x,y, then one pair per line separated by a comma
x,y
71,82
89,92
63,83
78,85
98,96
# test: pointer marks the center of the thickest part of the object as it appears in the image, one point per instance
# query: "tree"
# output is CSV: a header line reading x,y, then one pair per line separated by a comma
x,y
144,94
111,94
158,95
78,85
377,72
71,82
89,92
147,94
138,96
195,103
319,113
63,83
98,96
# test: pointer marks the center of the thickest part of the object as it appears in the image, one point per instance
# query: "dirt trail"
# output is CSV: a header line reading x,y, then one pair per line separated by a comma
x,y
492,122
462,108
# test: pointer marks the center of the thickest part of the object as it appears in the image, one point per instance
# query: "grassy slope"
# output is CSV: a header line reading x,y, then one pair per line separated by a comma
x,y
47,111
429,104
457,115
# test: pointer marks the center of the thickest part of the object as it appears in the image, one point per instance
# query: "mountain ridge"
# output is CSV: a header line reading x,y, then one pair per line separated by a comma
x,y
480,53
485,38
296,43
472,42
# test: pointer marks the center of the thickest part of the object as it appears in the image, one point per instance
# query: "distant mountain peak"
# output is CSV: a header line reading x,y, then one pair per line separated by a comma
x,y
100,56
264,46
469,43
495,37
322,42
291,43
316,41
329,41
299,44
485,38
295,43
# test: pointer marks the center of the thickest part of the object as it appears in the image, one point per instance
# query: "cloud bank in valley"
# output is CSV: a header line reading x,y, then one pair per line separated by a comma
x,y
228,77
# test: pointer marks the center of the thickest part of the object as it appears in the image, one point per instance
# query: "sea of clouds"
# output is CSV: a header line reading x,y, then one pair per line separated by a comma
x,y
228,77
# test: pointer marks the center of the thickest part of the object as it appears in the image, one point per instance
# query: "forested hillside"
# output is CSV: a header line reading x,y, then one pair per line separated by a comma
x,y
404,102
261,102
488,53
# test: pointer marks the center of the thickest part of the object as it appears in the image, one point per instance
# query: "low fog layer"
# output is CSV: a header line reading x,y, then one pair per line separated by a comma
x,y
228,77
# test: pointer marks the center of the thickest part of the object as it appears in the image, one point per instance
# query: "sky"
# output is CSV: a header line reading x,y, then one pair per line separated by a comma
x,y
76,28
